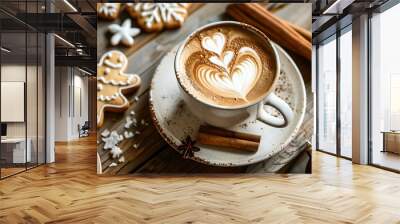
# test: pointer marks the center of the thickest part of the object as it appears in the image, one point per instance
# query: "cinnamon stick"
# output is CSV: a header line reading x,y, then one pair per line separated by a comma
x,y
276,29
226,142
303,32
230,134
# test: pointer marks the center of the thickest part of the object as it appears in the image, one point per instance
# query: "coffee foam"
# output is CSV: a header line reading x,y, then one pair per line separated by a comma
x,y
227,65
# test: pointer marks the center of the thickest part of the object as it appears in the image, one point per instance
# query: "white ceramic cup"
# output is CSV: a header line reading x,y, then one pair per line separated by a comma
x,y
226,116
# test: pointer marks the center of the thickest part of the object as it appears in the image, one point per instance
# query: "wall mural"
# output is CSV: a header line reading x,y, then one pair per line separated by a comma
x,y
177,93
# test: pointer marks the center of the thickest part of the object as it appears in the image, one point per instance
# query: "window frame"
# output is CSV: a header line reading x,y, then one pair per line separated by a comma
x,y
336,36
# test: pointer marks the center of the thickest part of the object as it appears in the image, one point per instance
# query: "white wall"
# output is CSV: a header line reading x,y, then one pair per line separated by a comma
x,y
80,110
61,104
71,93
12,73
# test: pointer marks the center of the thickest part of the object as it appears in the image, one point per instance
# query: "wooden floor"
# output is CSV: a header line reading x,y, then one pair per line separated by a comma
x,y
70,192
11,170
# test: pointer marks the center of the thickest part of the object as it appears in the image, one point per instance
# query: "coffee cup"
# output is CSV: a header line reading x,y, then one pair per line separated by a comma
x,y
227,72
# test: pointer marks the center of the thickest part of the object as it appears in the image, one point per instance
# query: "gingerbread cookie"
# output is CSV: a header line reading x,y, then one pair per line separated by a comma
x,y
152,17
113,83
123,33
108,11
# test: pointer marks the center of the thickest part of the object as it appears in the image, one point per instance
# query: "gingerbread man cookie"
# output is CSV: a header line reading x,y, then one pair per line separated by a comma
x,y
152,17
113,83
108,11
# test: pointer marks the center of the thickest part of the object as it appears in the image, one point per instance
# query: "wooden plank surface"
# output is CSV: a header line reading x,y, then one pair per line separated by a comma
x,y
153,155
69,191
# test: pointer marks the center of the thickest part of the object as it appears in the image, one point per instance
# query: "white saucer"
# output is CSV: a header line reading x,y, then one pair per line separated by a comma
x,y
174,121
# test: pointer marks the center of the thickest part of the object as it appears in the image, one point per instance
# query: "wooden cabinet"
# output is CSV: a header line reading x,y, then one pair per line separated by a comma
x,y
391,142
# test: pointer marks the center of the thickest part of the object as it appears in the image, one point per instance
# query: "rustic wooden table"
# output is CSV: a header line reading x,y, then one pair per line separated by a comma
x,y
153,155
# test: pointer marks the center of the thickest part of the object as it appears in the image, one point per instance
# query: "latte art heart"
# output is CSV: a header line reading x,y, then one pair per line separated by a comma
x,y
214,43
226,60
234,81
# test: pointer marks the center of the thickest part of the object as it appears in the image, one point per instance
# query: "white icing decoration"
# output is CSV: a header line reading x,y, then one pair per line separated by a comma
x,y
116,152
105,133
161,12
117,82
99,87
121,160
107,70
235,82
134,121
128,122
112,164
123,33
108,98
112,65
128,134
112,140
108,9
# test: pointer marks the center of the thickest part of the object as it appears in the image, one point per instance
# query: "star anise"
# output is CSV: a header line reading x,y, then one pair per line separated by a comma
x,y
187,147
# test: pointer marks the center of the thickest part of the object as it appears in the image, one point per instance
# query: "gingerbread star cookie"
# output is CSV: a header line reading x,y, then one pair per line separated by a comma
x,y
152,17
113,83
108,11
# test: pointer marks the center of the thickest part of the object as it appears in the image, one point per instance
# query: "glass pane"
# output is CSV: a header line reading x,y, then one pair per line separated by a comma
x,y
385,84
327,96
32,86
346,94
13,85
31,99
22,87
41,99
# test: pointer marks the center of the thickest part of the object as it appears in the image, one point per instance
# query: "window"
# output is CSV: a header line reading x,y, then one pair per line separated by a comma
x,y
346,93
326,60
385,89
334,73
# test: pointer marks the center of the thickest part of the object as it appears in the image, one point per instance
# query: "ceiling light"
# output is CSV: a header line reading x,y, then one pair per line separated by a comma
x,y
64,40
5,50
338,6
70,5
84,71
326,11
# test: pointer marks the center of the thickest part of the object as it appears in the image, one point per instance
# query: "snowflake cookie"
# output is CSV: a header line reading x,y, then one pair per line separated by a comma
x,y
113,83
152,17
123,33
108,11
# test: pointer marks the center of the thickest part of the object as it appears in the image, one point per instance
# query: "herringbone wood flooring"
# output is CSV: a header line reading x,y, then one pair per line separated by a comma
x,y
70,192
